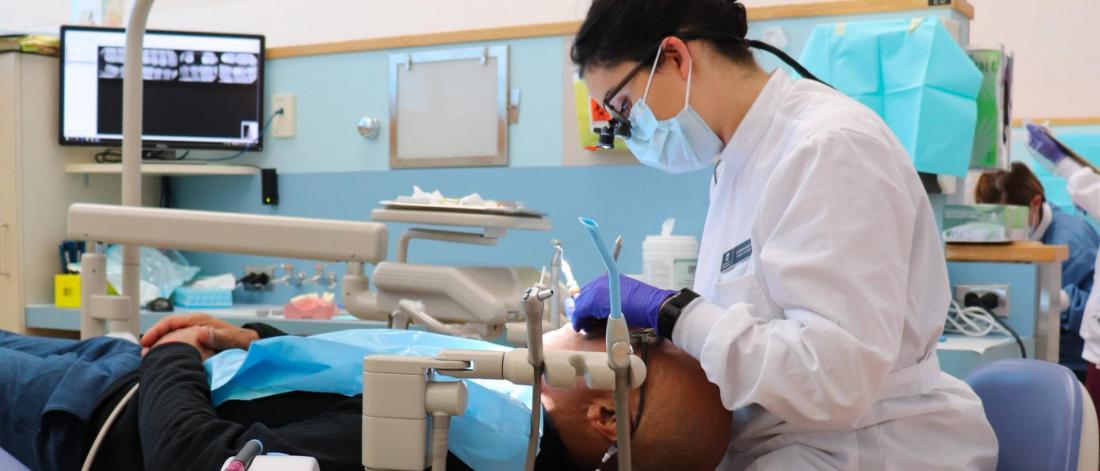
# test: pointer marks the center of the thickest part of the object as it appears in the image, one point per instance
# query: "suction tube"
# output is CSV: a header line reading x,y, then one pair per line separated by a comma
x,y
618,346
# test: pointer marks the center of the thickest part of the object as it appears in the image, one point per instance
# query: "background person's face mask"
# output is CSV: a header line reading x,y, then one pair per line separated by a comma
x,y
682,144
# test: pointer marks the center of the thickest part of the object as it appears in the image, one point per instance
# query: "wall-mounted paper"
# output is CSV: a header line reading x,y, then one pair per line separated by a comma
x,y
96,13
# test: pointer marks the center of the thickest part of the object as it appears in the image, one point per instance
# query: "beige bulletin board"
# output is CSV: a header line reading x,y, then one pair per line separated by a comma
x,y
449,108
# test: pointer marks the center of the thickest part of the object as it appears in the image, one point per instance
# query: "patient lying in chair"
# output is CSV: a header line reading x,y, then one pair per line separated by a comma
x,y
56,394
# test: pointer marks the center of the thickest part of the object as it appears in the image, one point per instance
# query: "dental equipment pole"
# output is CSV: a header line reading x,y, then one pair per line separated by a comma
x,y
533,303
132,111
618,347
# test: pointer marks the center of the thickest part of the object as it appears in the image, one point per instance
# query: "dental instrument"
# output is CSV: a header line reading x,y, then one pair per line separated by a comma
x,y
570,280
619,351
555,280
533,304
244,458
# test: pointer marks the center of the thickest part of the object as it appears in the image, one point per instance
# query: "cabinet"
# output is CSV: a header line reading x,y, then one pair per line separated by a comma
x,y
35,190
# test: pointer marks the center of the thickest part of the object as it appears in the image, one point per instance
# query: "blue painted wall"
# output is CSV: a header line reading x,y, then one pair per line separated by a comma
x,y
329,171
630,200
333,91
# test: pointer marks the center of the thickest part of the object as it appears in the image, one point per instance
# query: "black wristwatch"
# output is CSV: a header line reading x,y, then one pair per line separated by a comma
x,y
671,310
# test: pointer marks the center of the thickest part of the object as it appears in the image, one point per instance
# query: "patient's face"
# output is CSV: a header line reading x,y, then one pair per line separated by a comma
x,y
683,424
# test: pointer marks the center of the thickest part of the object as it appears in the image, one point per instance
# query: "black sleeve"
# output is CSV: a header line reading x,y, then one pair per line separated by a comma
x,y
264,330
180,430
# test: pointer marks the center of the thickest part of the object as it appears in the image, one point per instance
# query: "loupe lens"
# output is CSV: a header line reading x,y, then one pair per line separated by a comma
x,y
607,138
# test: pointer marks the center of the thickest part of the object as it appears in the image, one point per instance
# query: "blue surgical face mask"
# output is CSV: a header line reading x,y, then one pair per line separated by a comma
x,y
682,144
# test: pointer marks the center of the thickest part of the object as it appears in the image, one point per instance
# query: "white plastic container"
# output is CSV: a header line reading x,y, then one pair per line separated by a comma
x,y
669,261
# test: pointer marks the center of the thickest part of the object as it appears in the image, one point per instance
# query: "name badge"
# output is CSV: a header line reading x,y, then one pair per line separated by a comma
x,y
737,255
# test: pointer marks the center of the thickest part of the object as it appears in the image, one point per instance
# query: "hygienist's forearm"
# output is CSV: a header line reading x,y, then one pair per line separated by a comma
x,y
1082,183
690,333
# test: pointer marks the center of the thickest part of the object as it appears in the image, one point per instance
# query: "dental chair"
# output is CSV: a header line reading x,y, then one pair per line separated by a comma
x,y
1041,414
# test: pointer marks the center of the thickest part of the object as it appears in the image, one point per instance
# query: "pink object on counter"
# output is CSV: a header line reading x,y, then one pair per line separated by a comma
x,y
309,308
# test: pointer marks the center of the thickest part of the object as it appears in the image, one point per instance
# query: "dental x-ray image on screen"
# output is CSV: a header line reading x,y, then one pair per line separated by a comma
x,y
201,90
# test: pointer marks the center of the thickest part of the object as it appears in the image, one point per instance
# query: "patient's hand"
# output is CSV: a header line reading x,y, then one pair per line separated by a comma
x,y
197,336
221,335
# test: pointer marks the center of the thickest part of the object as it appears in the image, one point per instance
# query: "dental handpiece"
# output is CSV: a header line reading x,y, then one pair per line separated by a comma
x,y
244,458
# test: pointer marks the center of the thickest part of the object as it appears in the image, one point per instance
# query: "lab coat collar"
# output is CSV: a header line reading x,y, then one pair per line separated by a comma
x,y
745,141
1044,223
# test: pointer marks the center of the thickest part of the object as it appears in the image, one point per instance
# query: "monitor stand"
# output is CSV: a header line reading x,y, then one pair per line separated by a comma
x,y
158,155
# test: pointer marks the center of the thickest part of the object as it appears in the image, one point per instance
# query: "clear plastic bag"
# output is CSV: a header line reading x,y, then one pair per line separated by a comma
x,y
164,270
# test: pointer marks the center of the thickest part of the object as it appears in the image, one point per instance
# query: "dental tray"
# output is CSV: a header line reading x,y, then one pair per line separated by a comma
x,y
505,208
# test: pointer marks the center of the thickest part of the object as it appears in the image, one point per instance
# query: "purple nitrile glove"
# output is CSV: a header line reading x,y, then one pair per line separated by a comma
x,y
641,303
1040,141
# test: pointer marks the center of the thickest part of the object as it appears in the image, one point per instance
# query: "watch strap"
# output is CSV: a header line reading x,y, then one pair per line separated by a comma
x,y
671,310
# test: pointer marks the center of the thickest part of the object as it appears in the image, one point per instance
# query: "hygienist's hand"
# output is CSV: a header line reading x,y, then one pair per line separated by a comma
x,y
1040,141
223,335
197,336
641,303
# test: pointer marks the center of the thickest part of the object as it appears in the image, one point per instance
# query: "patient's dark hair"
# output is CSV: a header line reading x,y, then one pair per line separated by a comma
x,y
1016,187
617,31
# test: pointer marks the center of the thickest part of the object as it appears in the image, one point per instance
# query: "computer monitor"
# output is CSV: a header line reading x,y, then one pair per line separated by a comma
x,y
202,90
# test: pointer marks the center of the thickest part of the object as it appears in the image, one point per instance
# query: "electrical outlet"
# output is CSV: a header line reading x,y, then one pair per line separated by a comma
x,y
980,294
284,124
252,271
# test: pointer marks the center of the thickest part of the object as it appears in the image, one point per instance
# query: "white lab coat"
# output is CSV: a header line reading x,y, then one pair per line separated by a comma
x,y
822,338
1083,186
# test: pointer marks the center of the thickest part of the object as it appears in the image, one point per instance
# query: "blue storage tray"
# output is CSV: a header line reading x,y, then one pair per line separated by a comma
x,y
203,297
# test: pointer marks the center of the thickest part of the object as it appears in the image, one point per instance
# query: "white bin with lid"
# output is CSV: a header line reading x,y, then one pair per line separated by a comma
x,y
669,261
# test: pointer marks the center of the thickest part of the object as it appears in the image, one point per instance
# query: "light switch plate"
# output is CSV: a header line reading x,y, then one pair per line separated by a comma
x,y
284,124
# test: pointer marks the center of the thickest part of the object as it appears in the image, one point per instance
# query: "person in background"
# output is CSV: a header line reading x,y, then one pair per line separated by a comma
x,y
1018,186
1083,185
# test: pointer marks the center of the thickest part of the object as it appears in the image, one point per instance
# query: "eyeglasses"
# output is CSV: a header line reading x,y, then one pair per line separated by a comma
x,y
640,342
619,125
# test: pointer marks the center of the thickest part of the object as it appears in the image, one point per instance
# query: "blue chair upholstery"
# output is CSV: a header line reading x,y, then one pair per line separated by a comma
x,y
9,463
1037,410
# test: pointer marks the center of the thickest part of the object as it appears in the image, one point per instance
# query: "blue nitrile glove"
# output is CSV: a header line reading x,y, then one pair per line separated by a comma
x,y
641,303
1040,141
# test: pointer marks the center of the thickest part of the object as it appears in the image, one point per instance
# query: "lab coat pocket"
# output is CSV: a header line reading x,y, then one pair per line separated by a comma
x,y
744,288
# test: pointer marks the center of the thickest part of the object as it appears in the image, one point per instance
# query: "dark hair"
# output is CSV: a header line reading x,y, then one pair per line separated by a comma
x,y
1016,187
617,31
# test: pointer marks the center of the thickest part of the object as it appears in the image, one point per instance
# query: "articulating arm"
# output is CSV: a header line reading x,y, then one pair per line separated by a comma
x,y
399,395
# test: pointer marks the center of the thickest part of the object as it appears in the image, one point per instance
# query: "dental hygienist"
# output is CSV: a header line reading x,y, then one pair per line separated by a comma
x,y
821,288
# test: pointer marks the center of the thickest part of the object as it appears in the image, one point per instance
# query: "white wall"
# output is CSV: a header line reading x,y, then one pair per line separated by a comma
x,y
33,15
293,22
1057,47
1056,43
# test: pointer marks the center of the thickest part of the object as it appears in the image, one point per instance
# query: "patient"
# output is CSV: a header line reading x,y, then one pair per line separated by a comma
x,y
55,395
